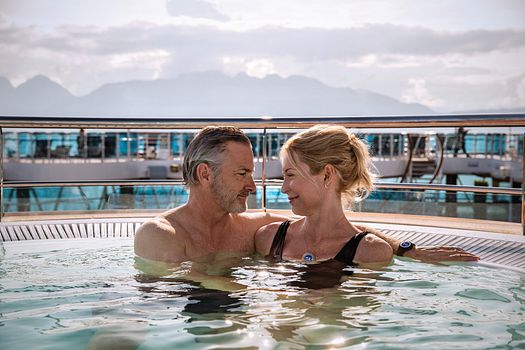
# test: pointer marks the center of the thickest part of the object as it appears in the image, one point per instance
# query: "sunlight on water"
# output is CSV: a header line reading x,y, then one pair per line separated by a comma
x,y
95,294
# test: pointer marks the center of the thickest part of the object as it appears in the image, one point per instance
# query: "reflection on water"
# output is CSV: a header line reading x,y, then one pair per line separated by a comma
x,y
84,294
289,303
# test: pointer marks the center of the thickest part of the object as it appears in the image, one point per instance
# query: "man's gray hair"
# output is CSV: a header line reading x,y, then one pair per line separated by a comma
x,y
208,147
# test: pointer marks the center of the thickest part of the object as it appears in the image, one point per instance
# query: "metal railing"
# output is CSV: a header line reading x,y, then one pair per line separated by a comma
x,y
264,124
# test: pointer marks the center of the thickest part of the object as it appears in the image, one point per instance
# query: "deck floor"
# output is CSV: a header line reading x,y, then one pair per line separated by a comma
x,y
505,250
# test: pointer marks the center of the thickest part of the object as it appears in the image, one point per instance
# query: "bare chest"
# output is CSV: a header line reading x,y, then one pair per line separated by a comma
x,y
232,240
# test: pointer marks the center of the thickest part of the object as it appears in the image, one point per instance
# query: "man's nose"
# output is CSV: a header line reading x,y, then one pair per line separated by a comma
x,y
250,184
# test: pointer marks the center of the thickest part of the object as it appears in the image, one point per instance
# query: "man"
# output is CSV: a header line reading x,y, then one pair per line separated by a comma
x,y
461,142
218,170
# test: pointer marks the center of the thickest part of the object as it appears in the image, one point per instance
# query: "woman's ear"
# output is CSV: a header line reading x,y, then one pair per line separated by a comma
x,y
329,174
203,173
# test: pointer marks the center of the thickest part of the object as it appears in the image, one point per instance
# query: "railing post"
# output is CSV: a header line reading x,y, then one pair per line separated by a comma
x,y
263,194
128,145
523,186
1,174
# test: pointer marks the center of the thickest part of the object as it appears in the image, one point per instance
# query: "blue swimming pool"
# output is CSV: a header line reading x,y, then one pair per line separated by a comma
x,y
93,293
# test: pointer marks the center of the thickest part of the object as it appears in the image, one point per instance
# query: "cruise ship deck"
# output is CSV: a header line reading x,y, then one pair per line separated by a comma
x,y
500,243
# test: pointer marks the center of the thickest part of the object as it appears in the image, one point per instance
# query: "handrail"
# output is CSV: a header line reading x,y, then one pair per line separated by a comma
x,y
383,121
266,122
267,182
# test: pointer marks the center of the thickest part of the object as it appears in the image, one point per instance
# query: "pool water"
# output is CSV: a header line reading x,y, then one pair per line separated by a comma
x,y
89,293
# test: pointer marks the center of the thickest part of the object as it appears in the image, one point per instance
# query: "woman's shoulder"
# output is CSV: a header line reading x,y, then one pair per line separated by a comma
x,y
373,250
268,230
264,237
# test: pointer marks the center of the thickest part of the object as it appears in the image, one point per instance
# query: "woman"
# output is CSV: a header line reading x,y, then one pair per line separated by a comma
x,y
323,168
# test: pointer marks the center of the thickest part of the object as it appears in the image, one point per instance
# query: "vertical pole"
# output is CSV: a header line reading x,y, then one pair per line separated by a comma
x,y
117,145
475,145
103,146
32,147
523,187
85,149
1,174
18,146
391,146
128,145
181,144
500,146
380,145
263,197
170,157
486,146
48,155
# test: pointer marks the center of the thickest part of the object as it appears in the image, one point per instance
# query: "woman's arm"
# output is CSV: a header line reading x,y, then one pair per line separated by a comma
x,y
426,254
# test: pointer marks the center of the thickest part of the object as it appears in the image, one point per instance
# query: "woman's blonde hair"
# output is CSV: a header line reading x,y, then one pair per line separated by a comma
x,y
330,144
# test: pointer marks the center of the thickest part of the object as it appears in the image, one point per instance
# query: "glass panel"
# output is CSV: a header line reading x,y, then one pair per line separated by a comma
x,y
123,145
75,198
433,203
110,145
25,144
10,145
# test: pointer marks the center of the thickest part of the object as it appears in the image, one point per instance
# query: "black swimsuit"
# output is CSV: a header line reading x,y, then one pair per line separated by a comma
x,y
346,254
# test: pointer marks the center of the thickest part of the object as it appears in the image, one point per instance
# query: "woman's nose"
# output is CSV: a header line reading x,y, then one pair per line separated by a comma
x,y
284,187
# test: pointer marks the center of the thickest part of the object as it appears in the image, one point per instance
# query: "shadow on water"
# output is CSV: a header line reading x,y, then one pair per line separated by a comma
x,y
278,300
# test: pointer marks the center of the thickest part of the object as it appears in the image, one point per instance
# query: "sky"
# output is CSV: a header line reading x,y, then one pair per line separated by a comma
x,y
449,55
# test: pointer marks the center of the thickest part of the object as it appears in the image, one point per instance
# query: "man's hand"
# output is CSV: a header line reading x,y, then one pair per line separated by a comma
x,y
437,254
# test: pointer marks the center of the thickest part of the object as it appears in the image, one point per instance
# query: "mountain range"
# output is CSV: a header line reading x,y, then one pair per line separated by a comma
x,y
202,94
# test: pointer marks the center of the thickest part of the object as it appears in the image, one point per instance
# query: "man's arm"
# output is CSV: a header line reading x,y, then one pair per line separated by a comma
x,y
427,254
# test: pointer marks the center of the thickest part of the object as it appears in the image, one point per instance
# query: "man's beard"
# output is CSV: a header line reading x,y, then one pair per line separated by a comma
x,y
226,199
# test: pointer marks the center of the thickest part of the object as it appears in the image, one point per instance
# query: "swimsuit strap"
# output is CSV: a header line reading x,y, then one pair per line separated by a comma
x,y
347,253
276,251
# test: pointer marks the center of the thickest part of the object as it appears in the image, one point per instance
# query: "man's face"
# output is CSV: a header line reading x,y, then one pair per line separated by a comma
x,y
234,181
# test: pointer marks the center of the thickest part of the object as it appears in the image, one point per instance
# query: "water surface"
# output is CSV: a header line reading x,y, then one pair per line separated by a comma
x,y
93,293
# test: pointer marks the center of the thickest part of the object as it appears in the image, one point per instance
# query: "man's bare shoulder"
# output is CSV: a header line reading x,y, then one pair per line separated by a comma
x,y
163,223
156,225
157,239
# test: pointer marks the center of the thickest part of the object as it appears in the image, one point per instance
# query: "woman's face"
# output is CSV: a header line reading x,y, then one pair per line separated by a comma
x,y
303,189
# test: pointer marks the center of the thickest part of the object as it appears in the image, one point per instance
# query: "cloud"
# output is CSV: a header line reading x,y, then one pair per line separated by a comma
x,y
520,91
306,43
195,8
418,93
380,58
260,68
514,93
